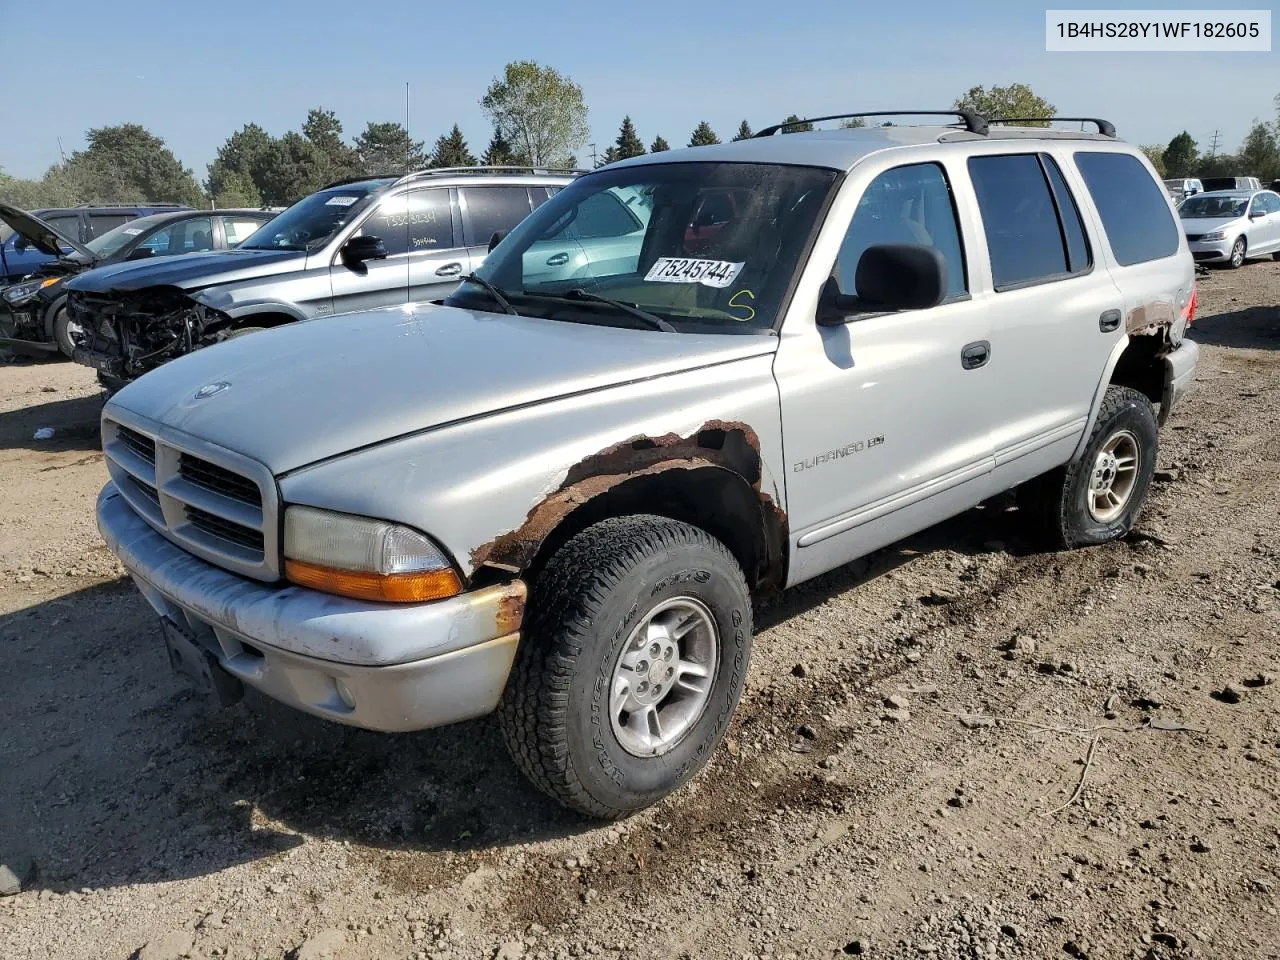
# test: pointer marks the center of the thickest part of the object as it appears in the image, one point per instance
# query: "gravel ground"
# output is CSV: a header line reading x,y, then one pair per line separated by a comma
x,y
867,803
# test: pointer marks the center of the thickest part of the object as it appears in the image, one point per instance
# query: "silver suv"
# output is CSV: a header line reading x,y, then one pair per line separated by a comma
x,y
559,494
356,244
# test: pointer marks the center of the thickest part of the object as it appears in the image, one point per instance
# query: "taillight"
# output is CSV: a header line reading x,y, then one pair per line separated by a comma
x,y
1189,311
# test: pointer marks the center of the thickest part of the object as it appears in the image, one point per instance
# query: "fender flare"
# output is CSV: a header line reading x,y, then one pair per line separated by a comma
x,y
1099,392
279,307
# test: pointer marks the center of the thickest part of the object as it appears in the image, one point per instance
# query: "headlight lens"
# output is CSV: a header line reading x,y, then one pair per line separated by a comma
x,y
28,288
363,558
1215,235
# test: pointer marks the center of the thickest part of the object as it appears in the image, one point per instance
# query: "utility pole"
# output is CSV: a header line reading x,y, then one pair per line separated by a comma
x,y
1213,143
593,155
62,153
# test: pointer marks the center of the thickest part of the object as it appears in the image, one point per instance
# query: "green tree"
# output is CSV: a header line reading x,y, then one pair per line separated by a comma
x,y
388,148
539,110
852,123
1260,153
628,143
659,145
294,168
1181,158
244,154
744,131
1015,102
609,156
498,153
324,129
1155,153
1217,165
703,136
126,163
237,190
795,125
451,150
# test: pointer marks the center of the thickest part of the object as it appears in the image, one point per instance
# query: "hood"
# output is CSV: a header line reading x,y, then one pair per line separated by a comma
x,y
1207,224
189,271
41,235
308,391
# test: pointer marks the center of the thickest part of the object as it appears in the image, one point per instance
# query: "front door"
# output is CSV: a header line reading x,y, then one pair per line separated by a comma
x,y
886,417
376,283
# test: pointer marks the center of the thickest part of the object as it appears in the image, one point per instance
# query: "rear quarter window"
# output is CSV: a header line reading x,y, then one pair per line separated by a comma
x,y
1135,213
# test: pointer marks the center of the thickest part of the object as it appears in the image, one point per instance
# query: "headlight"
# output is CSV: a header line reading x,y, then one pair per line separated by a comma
x,y
29,288
1215,235
363,558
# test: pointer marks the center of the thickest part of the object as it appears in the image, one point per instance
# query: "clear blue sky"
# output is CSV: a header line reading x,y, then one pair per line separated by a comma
x,y
194,73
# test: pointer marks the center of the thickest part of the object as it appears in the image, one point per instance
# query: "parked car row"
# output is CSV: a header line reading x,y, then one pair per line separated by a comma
x,y
680,382
33,311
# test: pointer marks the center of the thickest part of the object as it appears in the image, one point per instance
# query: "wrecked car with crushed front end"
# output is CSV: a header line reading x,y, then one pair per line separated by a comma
x,y
558,494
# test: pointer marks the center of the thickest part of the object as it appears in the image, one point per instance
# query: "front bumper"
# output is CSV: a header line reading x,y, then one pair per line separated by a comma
x,y
1211,251
401,666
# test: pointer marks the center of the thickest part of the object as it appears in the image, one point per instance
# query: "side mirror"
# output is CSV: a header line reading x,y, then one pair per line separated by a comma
x,y
142,253
360,250
497,238
20,242
889,277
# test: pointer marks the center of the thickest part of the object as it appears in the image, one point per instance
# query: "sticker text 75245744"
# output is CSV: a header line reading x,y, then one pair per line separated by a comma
x,y
709,273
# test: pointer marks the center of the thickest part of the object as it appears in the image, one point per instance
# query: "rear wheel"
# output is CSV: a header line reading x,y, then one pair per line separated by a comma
x,y
1097,497
1237,253
632,661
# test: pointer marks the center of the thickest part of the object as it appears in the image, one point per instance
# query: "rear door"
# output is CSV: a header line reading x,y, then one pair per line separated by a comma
x,y
100,223
488,209
1055,309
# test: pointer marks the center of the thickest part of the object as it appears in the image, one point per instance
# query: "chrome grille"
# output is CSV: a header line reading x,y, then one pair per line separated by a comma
x,y
216,504
219,479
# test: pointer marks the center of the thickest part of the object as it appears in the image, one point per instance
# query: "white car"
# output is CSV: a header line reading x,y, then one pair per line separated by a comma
x,y
1182,188
1230,226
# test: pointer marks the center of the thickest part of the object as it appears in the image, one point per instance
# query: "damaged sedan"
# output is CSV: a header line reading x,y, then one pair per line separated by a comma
x,y
687,380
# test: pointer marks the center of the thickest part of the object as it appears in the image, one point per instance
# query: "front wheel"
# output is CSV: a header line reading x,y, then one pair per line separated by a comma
x,y
67,333
632,662
1237,254
1097,497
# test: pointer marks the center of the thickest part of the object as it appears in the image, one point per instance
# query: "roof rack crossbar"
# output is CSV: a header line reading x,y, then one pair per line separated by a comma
x,y
455,171
973,122
1105,127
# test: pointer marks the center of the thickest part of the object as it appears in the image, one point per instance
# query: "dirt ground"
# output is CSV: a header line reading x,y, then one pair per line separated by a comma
x,y
834,822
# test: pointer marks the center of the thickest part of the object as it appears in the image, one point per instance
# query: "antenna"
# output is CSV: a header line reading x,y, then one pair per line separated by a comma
x,y
406,107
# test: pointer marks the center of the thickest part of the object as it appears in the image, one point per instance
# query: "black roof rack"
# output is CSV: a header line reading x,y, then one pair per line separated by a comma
x,y
1105,127
455,171
973,122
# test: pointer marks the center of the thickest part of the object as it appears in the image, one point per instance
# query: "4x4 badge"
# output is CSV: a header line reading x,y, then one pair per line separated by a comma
x,y
209,389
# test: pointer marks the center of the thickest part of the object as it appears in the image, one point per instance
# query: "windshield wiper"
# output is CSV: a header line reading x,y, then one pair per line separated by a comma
x,y
653,320
494,292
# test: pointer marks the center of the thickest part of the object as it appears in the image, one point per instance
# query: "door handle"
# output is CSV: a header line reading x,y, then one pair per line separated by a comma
x,y
557,260
449,270
1110,320
975,354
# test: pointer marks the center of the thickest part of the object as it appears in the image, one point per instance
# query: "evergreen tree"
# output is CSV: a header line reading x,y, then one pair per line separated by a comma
x,y
451,151
852,123
610,156
795,125
744,131
499,152
659,145
1181,159
703,136
628,143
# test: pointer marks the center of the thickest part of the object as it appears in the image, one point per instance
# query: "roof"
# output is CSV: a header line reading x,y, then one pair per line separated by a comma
x,y
1242,192
840,149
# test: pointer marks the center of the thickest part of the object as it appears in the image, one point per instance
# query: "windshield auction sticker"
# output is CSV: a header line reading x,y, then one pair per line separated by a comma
x,y
709,273
1184,31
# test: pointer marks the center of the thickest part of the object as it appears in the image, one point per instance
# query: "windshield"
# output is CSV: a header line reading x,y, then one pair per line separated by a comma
x,y
314,219
708,247
114,240
1204,207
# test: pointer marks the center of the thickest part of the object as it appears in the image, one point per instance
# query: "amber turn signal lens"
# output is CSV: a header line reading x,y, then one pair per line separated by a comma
x,y
388,588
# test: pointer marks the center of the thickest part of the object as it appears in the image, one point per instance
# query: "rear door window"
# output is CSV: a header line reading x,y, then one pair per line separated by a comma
x,y
1031,222
238,229
100,223
67,225
488,210
1134,212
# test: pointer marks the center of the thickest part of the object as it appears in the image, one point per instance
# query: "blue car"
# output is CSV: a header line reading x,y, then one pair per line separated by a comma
x,y
19,258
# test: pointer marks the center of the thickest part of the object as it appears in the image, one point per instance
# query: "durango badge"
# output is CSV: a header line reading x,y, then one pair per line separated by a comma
x,y
209,389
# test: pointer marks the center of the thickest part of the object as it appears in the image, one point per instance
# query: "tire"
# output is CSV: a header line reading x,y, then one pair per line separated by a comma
x,y
62,329
1238,250
1276,255
595,594
1062,503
